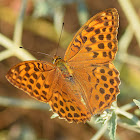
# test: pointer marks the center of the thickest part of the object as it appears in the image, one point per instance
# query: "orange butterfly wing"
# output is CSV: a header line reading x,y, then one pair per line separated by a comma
x,y
66,100
100,84
96,41
34,77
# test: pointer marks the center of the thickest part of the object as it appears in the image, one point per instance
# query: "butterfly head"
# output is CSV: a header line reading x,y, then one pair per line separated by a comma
x,y
56,59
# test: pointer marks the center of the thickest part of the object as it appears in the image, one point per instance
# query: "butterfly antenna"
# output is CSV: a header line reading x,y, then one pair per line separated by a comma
x,y
59,39
36,51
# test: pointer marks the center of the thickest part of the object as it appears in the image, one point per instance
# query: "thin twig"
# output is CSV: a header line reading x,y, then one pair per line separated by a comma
x,y
132,17
129,116
130,127
129,59
125,39
97,126
19,24
100,132
128,106
21,103
6,54
20,53
123,46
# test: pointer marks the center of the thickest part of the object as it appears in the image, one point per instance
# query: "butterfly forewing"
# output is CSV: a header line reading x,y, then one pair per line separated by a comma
x,y
33,77
96,41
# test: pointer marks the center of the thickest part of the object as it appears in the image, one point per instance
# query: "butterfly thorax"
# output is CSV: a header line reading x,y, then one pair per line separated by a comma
x,y
63,66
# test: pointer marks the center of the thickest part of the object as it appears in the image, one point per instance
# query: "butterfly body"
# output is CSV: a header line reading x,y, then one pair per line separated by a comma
x,y
63,67
85,82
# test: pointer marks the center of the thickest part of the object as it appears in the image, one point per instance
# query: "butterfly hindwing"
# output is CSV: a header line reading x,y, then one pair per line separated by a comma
x,y
66,100
100,83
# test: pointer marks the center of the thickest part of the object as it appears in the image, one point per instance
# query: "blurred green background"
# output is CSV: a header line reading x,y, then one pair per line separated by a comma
x,y
36,25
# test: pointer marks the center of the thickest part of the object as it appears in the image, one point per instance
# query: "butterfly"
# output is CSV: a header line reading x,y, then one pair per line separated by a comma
x,y
85,82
